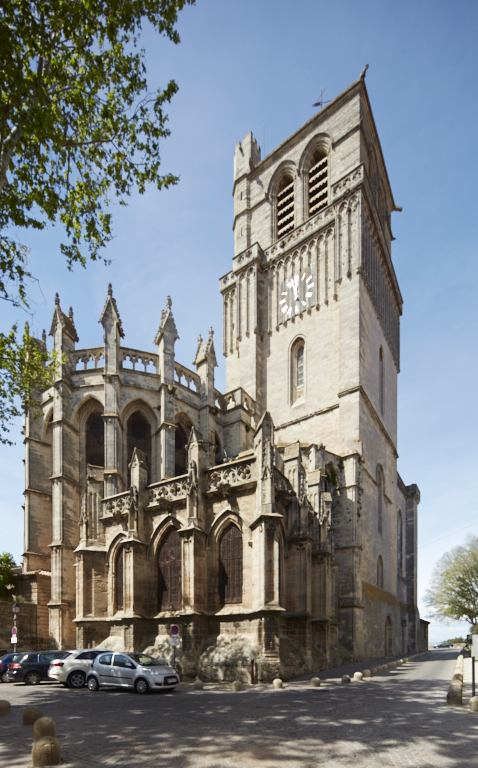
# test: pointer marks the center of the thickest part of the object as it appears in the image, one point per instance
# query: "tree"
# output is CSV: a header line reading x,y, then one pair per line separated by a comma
x,y
7,563
79,129
453,593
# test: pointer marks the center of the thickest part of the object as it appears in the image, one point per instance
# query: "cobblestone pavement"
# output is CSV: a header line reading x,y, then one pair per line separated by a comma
x,y
396,719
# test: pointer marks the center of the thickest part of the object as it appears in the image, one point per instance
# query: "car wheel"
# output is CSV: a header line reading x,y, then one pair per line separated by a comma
x,y
32,678
93,684
3,677
76,680
141,686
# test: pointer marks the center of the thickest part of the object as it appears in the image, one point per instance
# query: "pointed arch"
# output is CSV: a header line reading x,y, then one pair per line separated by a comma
x,y
281,192
230,566
170,563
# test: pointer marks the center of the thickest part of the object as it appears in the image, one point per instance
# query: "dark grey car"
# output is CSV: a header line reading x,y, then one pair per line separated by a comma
x,y
139,671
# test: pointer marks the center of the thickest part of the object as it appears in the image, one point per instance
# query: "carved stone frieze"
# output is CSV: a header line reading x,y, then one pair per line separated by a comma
x,y
165,494
221,480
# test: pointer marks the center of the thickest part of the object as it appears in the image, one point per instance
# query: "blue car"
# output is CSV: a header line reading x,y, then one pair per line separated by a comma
x,y
31,668
5,660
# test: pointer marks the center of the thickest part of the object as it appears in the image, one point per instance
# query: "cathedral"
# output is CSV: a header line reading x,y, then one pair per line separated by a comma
x,y
269,522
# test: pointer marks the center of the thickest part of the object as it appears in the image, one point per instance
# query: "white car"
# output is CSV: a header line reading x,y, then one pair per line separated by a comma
x,y
73,669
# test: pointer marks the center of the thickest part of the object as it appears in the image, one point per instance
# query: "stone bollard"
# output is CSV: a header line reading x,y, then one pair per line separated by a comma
x,y
474,703
374,671
237,685
44,726
391,665
198,685
367,673
5,708
454,697
401,661
46,751
277,683
315,682
358,677
31,714
345,679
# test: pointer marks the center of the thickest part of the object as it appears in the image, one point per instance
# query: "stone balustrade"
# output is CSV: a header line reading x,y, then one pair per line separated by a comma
x,y
190,377
86,355
136,356
237,397
115,506
166,492
239,472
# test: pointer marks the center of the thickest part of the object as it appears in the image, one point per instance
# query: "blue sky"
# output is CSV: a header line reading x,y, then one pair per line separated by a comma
x,y
259,66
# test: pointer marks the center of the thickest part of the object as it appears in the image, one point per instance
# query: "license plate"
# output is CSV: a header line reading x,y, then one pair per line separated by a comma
x,y
170,680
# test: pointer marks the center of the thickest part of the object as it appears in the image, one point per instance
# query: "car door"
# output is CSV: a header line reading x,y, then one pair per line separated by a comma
x,y
104,669
44,661
123,670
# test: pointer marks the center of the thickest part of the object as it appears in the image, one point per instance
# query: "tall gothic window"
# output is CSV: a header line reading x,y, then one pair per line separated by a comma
x,y
119,580
381,382
170,573
285,206
380,499
230,566
318,182
400,541
180,451
380,572
298,369
139,436
95,440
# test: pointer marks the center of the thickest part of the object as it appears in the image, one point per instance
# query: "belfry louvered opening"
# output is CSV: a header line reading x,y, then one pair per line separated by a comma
x,y
285,206
318,182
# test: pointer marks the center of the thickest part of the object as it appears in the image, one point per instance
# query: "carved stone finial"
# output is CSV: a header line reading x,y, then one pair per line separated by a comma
x,y
199,339
169,303
110,289
362,74
211,333
70,313
43,336
57,300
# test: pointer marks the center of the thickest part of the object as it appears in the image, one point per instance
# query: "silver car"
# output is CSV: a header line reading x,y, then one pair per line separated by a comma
x,y
73,669
131,670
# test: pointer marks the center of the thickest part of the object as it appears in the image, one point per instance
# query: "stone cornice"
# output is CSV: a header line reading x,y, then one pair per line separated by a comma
x,y
372,410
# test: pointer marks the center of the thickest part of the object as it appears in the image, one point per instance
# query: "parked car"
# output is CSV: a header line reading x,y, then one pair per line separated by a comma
x,y
5,660
445,644
31,668
73,669
139,671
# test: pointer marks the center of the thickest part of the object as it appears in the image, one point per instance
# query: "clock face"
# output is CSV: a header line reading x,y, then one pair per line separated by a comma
x,y
297,293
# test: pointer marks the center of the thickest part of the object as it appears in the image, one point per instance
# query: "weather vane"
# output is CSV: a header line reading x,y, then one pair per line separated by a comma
x,y
320,103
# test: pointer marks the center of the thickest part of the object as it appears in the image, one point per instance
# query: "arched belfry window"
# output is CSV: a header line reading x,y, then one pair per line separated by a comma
x,y
380,572
381,382
170,573
297,369
379,499
180,451
139,436
95,440
400,541
285,205
230,566
119,580
318,182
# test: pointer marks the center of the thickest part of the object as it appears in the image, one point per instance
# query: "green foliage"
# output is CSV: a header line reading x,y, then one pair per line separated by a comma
x,y
6,573
456,640
453,594
79,129
25,368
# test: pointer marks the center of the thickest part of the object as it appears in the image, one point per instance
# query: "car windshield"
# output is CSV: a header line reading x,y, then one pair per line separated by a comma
x,y
146,661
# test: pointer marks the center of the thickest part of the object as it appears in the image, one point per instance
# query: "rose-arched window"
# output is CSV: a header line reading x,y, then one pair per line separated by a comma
x,y
170,573
230,566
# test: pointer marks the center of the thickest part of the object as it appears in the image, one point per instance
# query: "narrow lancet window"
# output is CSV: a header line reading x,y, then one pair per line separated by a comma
x,y
285,206
381,382
380,499
95,440
119,580
170,573
230,566
380,572
318,182
400,541
298,370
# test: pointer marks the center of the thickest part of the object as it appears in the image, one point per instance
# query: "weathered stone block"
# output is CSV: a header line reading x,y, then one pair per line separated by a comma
x,y
31,714
46,751
44,726
5,708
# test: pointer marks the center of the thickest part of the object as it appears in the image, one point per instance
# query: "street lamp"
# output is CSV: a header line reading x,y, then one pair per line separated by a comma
x,y
15,609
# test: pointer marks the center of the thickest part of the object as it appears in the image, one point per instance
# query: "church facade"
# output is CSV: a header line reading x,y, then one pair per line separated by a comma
x,y
268,522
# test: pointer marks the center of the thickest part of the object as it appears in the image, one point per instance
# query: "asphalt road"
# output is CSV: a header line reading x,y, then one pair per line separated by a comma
x,y
397,719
